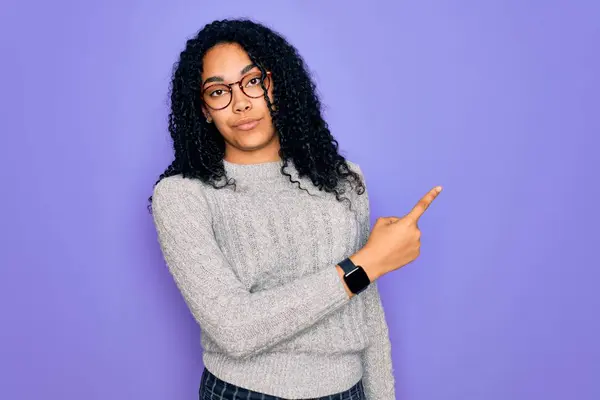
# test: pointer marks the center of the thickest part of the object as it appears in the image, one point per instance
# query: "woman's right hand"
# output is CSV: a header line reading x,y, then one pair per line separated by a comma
x,y
394,242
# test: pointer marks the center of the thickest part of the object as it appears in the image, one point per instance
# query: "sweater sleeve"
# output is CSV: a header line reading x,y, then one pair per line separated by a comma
x,y
378,378
242,323
378,375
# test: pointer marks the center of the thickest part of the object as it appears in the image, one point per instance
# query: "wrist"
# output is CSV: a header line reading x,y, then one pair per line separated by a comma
x,y
373,270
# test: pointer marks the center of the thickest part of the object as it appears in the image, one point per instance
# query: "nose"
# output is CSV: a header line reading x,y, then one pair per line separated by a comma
x,y
241,103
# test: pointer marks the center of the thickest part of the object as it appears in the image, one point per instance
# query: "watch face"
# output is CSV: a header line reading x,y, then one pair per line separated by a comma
x,y
357,280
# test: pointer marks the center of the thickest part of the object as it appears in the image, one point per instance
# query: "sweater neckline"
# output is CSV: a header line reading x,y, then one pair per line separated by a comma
x,y
254,172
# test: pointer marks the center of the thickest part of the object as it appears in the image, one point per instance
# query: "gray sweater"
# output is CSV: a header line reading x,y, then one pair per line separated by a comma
x,y
256,267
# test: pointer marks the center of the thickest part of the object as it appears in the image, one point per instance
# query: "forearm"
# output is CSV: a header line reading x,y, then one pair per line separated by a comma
x,y
244,323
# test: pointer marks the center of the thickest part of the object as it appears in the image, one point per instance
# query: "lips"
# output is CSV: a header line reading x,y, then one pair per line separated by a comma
x,y
246,124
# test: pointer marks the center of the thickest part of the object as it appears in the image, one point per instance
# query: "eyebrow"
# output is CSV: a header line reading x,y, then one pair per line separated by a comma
x,y
244,70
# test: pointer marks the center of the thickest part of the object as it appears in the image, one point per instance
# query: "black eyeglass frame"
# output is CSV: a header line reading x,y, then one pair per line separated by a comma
x,y
266,74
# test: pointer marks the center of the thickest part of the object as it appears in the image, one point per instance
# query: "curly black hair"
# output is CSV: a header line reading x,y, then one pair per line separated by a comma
x,y
304,136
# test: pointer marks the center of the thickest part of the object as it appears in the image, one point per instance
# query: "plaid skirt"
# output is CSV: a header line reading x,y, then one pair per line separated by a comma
x,y
213,388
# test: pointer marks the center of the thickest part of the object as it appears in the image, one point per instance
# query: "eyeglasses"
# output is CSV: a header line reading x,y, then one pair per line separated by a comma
x,y
218,96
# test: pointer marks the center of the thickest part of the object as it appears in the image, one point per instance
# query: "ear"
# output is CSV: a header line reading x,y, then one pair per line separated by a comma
x,y
206,114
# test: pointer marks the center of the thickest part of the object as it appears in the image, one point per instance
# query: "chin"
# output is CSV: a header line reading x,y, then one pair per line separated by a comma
x,y
253,140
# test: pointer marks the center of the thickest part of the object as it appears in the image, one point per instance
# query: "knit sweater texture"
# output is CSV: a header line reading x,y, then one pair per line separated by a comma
x,y
255,264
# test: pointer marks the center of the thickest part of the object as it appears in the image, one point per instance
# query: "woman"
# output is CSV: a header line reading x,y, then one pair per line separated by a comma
x,y
265,227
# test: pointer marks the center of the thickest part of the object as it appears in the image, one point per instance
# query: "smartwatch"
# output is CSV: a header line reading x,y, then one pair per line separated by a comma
x,y
355,276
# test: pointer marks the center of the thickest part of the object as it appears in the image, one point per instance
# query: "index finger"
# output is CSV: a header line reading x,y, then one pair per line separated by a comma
x,y
423,204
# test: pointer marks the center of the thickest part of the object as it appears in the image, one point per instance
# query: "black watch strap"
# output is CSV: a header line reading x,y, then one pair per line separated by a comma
x,y
348,266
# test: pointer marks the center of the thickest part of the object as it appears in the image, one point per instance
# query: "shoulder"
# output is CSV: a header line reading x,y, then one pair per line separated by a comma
x,y
178,184
177,189
354,167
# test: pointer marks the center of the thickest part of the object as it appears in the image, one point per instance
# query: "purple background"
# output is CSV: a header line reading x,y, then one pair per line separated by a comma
x,y
498,101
